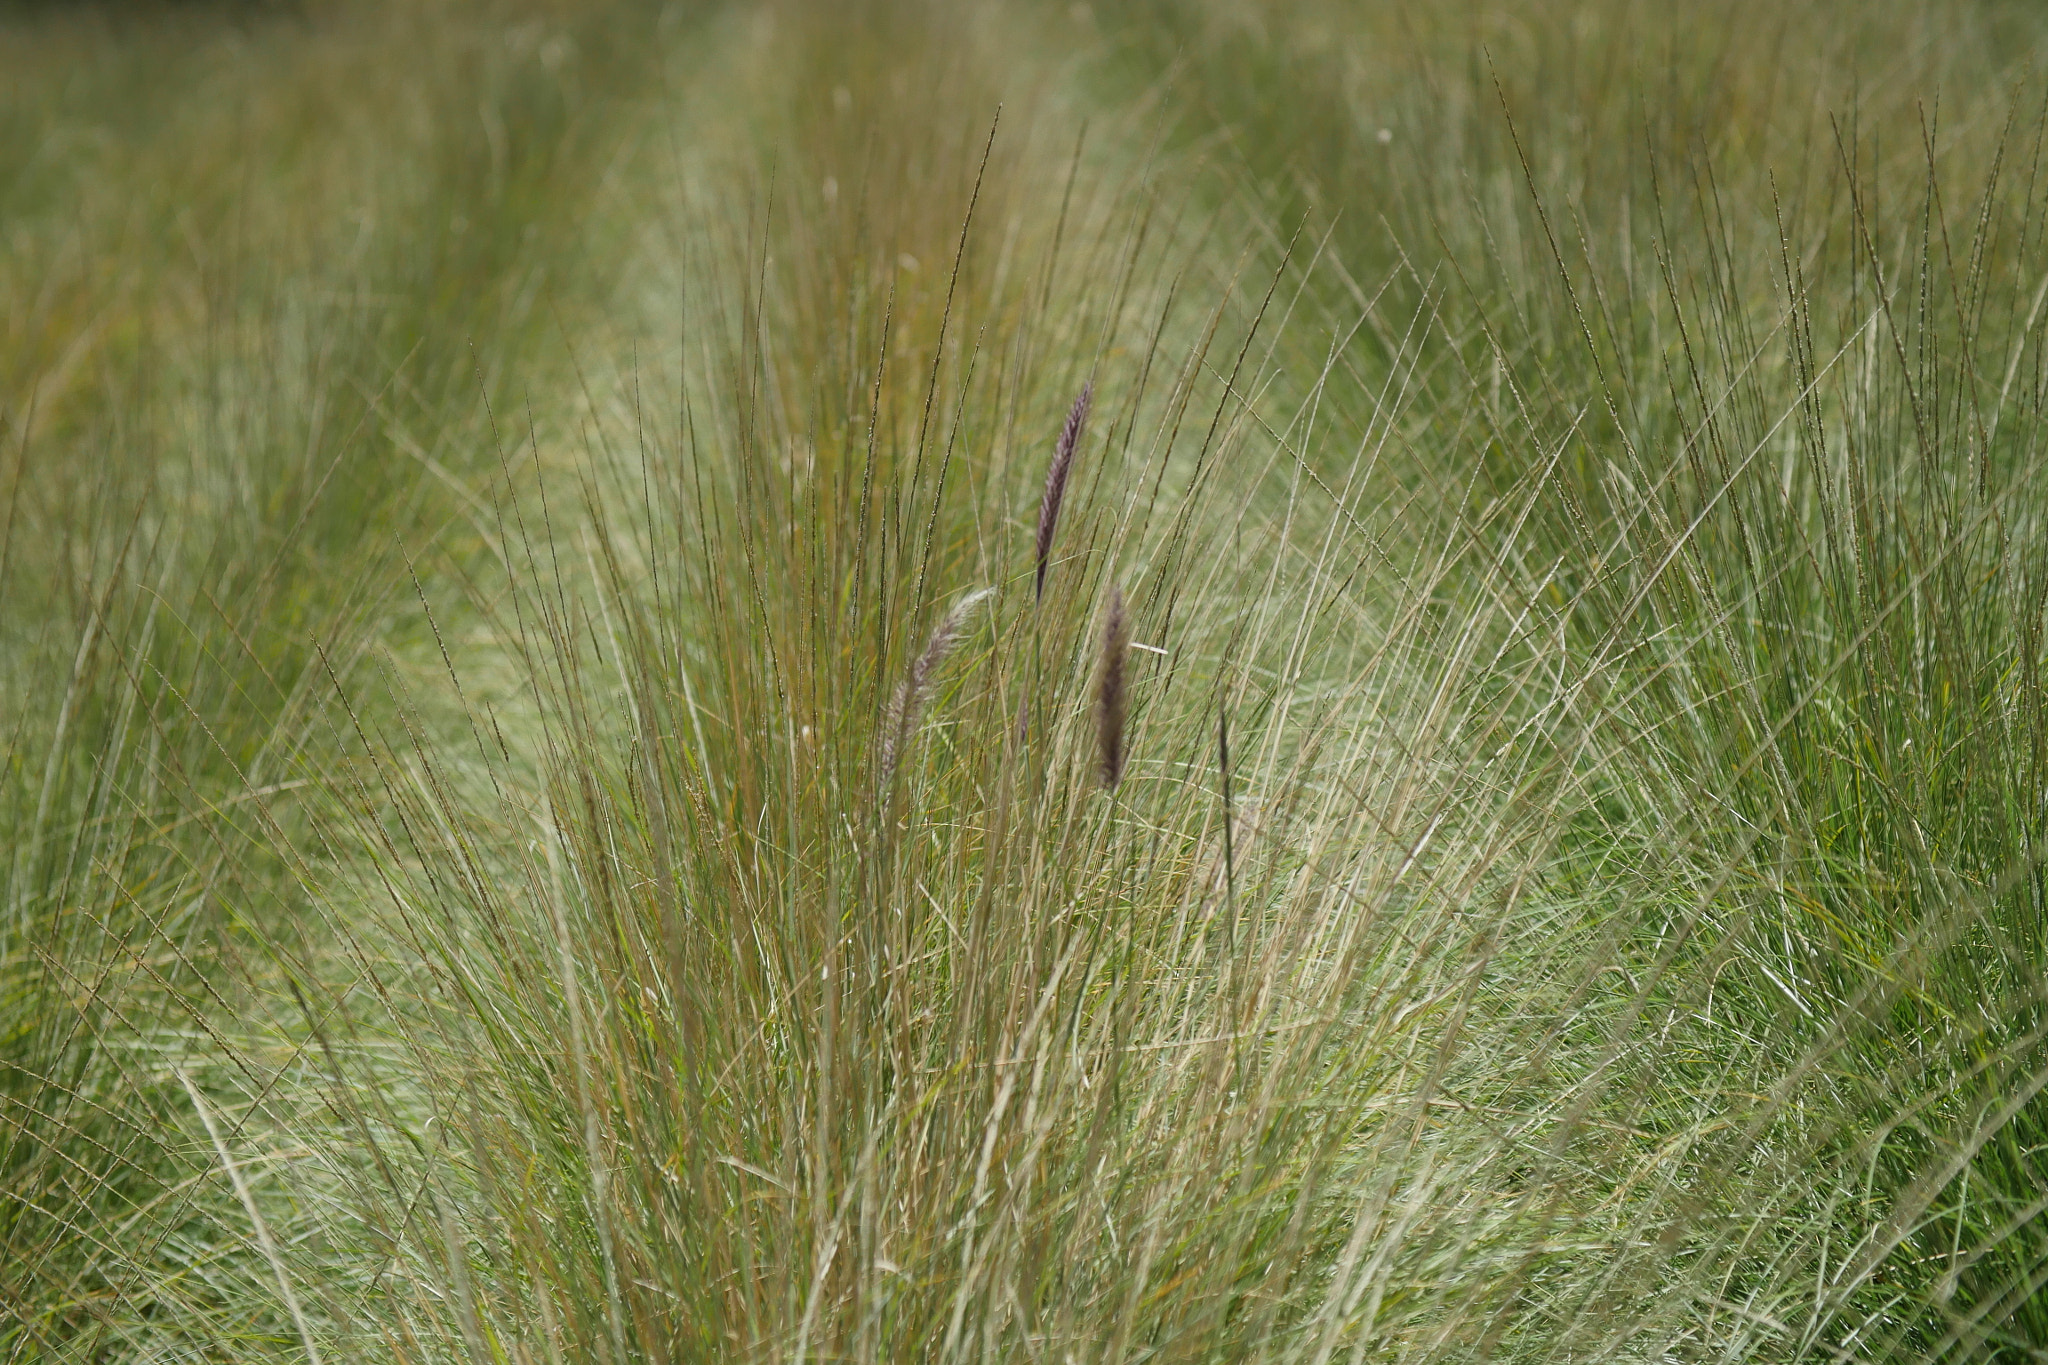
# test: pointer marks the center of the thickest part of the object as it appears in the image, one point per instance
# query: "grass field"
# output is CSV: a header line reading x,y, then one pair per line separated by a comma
x,y
606,761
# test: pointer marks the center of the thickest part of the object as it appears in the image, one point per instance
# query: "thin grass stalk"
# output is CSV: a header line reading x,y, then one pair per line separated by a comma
x,y
1229,879
264,1241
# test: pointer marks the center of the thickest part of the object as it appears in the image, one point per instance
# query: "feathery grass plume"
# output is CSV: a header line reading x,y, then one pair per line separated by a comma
x,y
1056,478
1109,702
901,718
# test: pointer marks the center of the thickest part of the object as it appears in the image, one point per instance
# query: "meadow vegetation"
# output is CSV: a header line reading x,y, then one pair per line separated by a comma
x,y
1160,680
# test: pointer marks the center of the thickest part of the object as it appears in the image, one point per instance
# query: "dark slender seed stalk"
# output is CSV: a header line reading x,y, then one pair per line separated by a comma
x,y
1056,479
1048,522
1109,707
1229,872
1229,852
899,722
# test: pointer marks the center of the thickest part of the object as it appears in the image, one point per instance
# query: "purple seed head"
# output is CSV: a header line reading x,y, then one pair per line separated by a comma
x,y
1056,478
1109,707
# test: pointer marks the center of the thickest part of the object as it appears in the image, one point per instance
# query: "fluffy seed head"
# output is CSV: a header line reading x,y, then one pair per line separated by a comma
x,y
1109,704
1056,477
900,720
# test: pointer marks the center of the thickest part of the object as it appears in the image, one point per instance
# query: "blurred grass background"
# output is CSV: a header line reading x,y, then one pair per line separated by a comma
x,y
475,474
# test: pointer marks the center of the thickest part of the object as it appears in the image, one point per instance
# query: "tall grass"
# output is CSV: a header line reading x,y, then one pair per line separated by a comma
x,y
1521,840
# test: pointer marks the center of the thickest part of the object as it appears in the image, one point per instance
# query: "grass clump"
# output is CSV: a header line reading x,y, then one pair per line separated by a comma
x,y
581,841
